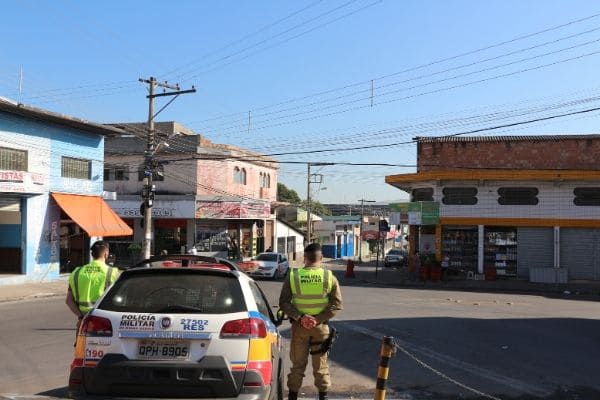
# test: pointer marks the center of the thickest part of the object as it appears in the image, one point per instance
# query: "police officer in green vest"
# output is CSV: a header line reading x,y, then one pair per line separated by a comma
x,y
310,297
87,283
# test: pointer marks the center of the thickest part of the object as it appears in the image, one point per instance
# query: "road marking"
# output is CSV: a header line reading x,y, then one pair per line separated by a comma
x,y
455,363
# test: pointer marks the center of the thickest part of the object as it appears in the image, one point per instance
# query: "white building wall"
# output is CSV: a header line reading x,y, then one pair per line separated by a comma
x,y
555,201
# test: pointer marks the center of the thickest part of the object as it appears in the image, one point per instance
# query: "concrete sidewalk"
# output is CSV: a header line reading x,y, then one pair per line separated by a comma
x,y
366,274
32,290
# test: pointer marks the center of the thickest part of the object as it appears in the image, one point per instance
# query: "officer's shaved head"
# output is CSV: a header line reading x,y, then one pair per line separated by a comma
x,y
99,249
312,253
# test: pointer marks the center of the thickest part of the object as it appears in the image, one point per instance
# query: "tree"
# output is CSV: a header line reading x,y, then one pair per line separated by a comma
x,y
287,195
291,196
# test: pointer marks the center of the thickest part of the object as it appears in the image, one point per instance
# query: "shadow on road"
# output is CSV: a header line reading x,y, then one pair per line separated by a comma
x,y
61,392
395,278
512,359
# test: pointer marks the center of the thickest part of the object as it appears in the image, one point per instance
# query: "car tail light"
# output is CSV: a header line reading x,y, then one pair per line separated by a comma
x,y
265,370
77,362
95,326
248,327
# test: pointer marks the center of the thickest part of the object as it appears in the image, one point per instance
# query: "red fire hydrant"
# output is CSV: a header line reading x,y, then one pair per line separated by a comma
x,y
349,269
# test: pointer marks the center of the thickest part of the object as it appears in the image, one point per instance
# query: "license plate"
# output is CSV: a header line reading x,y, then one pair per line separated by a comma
x,y
160,350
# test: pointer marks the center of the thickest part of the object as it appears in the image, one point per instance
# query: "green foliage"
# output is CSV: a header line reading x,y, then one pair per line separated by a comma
x,y
291,196
287,195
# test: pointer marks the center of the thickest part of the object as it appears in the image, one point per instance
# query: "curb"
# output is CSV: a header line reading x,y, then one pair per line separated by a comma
x,y
28,297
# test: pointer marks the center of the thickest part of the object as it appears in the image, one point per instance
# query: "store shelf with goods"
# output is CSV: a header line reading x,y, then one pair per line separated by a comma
x,y
500,250
459,247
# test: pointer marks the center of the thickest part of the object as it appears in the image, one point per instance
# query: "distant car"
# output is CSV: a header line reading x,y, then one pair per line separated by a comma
x,y
271,265
395,258
180,326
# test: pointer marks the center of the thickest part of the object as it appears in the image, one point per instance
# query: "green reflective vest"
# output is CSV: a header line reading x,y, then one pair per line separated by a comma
x,y
89,282
310,289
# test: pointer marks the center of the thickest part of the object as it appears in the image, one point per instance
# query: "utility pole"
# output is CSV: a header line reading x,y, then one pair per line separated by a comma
x,y
362,217
308,206
149,165
309,180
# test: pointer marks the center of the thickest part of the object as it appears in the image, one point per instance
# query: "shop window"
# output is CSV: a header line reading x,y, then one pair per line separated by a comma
x,y
518,196
422,194
461,196
13,160
587,196
76,168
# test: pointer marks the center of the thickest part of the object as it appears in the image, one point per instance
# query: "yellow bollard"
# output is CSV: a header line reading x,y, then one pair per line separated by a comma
x,y
388,349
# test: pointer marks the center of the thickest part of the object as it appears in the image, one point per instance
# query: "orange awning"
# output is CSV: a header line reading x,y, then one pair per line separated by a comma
x,y
92,214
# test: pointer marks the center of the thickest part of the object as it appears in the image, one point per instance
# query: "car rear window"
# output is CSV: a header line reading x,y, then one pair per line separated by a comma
x,y
267,257
175,293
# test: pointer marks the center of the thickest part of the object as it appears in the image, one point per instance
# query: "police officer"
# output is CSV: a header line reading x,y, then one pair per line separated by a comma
x,y
88,283
310,297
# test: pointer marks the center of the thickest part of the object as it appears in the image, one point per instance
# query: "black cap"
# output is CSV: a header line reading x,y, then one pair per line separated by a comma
x,y
312,248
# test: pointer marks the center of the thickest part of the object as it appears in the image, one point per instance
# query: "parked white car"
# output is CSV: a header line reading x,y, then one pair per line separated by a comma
x,y
271,265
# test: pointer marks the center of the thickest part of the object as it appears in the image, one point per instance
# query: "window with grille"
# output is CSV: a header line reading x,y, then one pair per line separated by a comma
x,y
460,196
518,196
422,194
76,168
13,160
587,196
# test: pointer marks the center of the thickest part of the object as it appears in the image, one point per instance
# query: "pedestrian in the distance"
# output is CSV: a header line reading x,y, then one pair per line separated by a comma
x,y
88,282
310,297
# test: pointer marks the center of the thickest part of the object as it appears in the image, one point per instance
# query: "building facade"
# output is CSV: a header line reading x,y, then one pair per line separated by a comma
x,y
51,187
215,198
509,206
339,236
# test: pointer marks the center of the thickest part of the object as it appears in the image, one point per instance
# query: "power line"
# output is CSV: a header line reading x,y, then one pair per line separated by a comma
x,y
243,38
422,66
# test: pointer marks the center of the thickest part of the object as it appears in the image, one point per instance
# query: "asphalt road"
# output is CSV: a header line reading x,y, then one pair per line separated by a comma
x,y
453,345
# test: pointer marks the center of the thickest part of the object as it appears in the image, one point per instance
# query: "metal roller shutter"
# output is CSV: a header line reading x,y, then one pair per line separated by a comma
x,y
10,204
580,252
535,248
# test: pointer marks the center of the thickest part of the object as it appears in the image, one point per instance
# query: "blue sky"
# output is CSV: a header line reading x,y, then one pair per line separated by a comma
x,y
84,59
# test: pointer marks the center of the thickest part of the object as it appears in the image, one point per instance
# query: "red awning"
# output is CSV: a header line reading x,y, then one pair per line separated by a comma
x,y
92,214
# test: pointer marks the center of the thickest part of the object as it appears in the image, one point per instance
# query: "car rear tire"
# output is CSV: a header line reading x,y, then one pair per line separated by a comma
x,y
280,382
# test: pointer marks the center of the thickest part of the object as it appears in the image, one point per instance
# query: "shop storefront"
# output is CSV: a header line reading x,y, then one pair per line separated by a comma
x,y
459,247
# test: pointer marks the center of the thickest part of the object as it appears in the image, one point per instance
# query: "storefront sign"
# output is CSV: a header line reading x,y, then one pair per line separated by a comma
x,y
245,209
402,210
423,213
161,209
22,182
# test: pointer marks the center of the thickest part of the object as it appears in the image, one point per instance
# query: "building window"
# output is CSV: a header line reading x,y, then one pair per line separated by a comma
x,y
587,196
121,174
239,176
13,160
264,180
460,196
518,196
422,194
106,174
76,168
156,175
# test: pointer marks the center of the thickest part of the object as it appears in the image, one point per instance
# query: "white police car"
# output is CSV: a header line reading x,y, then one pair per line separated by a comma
x,y
180,326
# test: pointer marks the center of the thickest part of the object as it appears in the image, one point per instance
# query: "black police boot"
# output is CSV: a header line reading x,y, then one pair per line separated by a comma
x,y
292,395
323,396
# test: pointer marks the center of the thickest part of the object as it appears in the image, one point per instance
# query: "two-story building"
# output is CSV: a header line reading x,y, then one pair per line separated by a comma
x,y
216,198
509,204
51,204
